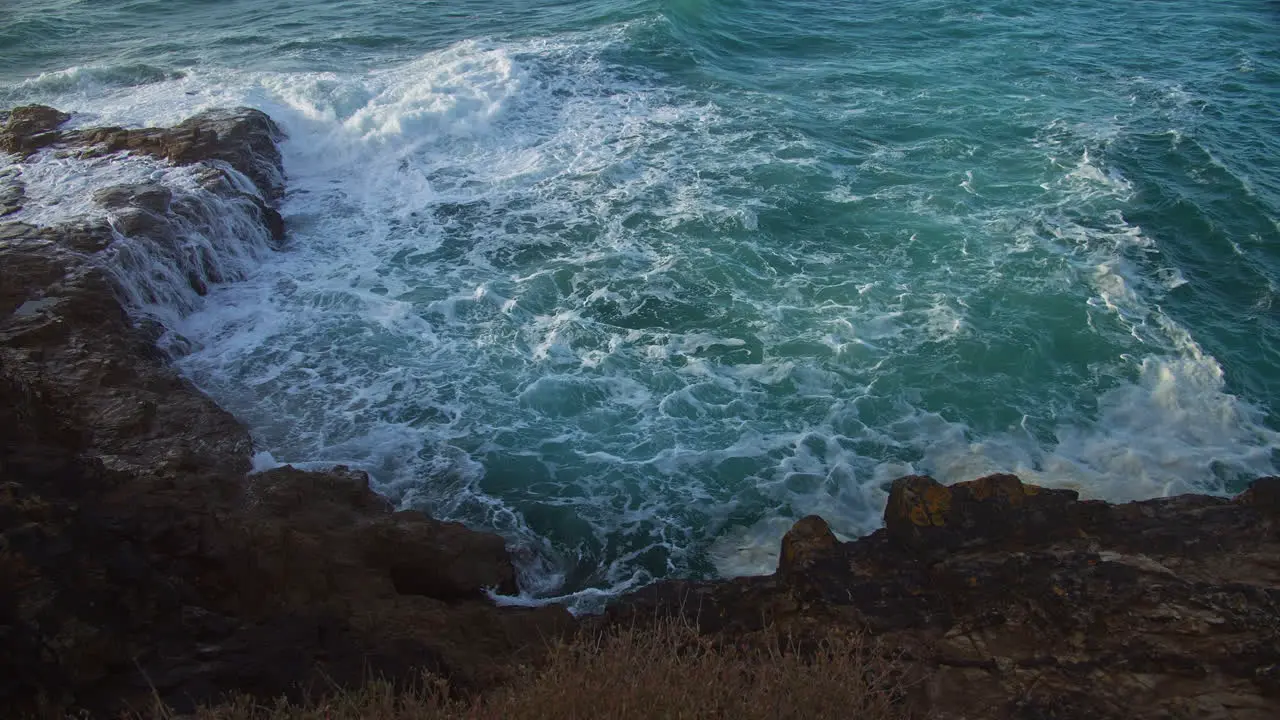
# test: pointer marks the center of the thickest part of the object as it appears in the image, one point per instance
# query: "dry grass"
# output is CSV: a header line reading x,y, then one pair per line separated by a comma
x,y
664,672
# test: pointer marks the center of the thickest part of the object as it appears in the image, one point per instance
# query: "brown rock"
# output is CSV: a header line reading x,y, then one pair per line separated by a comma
x,y
137,560
417,555
30,119
30,128
446,561
1264,494
923,514
1011,601
149,197
243,138
808,538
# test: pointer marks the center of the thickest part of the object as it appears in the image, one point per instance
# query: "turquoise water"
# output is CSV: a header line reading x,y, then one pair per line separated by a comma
x,y
638,284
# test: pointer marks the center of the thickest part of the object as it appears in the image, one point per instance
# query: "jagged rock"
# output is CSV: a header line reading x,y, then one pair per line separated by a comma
x,y
34,119
1010,601
150,197
12,193
243,138
30,128
1263,494
418,555
61,321
809,538
137,560
63,328
924,514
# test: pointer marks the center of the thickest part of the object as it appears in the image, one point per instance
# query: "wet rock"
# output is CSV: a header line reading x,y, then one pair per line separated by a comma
x,y
243,138
150,197
12,193
138,560
30,128
88,354
34,119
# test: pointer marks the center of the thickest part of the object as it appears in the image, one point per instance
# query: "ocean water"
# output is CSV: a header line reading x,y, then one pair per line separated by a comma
x,y
637,284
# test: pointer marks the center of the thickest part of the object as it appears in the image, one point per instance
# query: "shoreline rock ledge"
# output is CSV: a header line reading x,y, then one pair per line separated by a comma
x,y
1006,600
138,560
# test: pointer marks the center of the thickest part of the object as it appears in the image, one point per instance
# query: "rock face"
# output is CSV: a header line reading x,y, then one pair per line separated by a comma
x,y
27,129
243,139
135,554
1012,601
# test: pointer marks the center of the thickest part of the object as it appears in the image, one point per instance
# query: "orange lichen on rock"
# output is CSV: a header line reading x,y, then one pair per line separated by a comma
x,y
919,501
1004,487
808,537
936,504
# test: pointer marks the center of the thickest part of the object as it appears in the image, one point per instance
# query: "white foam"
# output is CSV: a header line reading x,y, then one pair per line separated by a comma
x,y
217,237
506,298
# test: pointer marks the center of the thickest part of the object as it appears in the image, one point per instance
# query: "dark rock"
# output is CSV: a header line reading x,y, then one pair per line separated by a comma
x,y
12,193
1012,601
31,119
417,555
243,138
442,560
86,352
927,515
30,128
809,538
1264,494
149,197
274,222
137,560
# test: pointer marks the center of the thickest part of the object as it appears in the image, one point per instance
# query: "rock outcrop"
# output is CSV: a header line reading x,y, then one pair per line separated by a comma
x,y
30,128
136,557
1007,600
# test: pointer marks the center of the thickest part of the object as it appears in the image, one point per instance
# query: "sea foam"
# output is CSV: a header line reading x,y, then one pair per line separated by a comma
x,y
552,296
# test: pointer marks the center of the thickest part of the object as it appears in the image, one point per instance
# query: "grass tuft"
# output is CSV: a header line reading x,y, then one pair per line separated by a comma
x,y
664,671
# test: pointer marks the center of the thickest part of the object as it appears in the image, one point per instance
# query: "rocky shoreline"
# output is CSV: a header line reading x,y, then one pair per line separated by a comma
x,y
137,558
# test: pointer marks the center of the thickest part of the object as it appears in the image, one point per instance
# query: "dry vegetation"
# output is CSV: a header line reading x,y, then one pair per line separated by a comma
x,y
663,672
